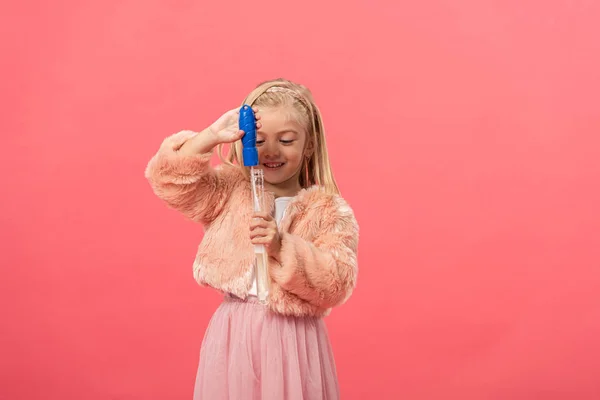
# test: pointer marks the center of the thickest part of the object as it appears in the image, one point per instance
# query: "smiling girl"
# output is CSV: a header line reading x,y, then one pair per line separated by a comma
x,y
281,350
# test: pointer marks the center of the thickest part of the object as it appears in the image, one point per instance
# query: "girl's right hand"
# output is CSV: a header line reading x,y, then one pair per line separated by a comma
x,y
223,130
226,128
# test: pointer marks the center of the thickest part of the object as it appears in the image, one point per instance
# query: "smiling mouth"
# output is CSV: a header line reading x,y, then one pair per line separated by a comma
x,y
273,165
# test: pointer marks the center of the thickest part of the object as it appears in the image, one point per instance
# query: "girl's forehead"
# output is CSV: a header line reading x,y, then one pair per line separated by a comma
x,y
276,120
277,112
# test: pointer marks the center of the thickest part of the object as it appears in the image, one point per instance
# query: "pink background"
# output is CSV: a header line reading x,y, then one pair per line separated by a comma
x,y
465,134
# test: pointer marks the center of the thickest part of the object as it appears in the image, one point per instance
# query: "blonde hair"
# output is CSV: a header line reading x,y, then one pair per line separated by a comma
x,y
316,169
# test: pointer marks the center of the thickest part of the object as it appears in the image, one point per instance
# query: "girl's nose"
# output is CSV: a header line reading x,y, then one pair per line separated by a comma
x,y
270,150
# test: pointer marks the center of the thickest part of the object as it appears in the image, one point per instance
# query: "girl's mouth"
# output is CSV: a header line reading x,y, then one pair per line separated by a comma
x,y
273,165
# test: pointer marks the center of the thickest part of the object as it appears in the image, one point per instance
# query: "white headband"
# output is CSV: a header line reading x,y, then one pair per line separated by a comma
x,y
292,92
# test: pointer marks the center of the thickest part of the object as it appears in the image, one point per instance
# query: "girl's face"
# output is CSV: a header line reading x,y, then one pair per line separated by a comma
x,y
281,143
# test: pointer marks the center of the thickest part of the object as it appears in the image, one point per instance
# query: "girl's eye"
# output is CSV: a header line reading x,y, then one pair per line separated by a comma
x,y
259,142
287,141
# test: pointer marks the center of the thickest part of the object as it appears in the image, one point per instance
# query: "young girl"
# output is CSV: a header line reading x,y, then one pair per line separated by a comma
x,y
281,350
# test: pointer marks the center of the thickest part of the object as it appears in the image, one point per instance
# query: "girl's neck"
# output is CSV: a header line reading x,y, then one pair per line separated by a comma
x,y
289,188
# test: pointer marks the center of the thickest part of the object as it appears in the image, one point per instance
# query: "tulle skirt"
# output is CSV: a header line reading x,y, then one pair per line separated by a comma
x,y
250,353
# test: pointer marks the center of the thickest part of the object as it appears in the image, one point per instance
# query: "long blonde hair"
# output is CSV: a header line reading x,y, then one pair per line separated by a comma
x,y
316,169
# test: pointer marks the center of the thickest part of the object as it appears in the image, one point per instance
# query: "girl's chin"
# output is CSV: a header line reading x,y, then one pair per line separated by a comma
x,y
275,178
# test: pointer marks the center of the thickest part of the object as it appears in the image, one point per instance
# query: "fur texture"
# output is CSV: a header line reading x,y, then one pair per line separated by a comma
x,y
319,233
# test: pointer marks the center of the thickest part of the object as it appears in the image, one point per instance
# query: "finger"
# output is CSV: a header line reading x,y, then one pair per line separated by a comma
x,y
263,215
230,137
258,223
259,233
260,240
260,218
258,125
232,112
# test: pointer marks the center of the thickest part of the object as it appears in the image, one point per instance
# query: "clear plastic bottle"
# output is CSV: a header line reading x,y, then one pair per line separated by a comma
x,y
261,266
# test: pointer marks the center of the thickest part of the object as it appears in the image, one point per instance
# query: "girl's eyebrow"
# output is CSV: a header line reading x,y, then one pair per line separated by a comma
x,y
286,131
281,131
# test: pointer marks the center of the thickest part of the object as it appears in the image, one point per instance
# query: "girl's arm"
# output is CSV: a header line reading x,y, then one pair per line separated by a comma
x,y
322,272
180,172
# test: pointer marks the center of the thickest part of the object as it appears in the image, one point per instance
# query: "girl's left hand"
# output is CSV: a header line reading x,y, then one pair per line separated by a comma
x,y
263,230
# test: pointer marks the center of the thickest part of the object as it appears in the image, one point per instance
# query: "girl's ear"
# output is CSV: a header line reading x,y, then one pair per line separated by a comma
x,y
310,149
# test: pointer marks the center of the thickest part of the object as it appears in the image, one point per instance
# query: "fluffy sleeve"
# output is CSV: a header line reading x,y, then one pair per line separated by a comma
x,y
187,183
323,271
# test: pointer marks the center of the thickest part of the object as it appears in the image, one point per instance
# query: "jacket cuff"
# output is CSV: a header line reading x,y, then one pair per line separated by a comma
x,y
305,270
169,166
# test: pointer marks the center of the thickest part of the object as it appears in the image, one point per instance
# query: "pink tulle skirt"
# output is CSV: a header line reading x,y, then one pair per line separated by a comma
x,y
250,353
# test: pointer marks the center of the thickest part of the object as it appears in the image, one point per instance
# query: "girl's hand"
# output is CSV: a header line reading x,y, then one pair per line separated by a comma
x,y
226,128
223,130
263,230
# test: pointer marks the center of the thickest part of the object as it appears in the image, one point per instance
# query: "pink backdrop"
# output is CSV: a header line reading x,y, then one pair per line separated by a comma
x,y
465,134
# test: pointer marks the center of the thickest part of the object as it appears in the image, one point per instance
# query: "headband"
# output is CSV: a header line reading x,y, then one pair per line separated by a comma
x,y
291,92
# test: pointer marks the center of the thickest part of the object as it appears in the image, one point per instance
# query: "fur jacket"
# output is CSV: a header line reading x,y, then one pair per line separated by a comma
x,y
319,233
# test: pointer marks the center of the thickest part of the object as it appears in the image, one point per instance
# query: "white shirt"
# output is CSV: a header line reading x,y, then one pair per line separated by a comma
x,y
280,206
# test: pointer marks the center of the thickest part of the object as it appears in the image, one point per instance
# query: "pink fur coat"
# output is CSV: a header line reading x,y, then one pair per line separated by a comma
x,y
319,233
